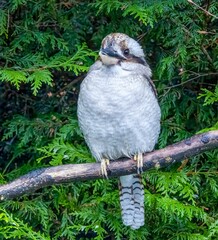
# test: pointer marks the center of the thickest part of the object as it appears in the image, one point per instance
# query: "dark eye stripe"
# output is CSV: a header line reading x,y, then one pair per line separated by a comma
x,y
137,59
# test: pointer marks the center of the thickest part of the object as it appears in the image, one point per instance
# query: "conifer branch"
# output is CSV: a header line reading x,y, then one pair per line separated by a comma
x,y
202,9
174,153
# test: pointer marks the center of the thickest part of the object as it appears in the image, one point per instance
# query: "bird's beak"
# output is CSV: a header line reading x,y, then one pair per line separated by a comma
x,y
110,52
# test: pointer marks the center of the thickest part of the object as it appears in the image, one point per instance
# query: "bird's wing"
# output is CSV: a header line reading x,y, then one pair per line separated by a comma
x,y
151,84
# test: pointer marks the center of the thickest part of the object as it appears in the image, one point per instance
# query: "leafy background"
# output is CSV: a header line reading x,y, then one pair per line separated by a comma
x,y
46,47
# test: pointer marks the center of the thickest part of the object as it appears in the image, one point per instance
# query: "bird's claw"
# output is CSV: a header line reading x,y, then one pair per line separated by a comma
x,y
104,163
139,161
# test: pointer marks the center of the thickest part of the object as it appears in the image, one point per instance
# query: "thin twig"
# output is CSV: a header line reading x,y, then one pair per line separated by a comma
x,y
76,80
202,9
191,79
207,54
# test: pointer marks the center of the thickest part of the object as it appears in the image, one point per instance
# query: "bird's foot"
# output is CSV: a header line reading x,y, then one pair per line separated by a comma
x,y
104,163
139,160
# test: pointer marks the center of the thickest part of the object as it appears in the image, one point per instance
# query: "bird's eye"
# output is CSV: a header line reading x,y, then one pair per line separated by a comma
x,y
126,51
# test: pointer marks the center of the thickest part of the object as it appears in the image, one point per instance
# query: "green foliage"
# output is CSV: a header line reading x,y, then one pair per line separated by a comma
x,y
45,50
209,97
62,150
14,227
39,72
3,22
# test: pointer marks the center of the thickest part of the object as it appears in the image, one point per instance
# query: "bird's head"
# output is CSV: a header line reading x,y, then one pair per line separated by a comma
x,y
118,47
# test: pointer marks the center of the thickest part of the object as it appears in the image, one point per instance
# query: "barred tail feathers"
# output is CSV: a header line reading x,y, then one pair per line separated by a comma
x,y
132,201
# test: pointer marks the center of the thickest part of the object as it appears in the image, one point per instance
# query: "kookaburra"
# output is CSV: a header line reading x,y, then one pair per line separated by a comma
x,y
119,115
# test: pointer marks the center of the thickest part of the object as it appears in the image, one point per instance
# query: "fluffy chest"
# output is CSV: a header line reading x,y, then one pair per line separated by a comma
x,y
114,91
117,111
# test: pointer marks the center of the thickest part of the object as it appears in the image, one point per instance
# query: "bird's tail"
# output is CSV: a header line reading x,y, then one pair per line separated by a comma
x,y
132,201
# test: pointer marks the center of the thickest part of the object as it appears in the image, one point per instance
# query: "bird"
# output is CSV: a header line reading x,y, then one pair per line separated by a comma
x,y
119,116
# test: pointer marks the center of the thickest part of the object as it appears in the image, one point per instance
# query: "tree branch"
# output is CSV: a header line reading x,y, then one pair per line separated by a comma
x,y
73,172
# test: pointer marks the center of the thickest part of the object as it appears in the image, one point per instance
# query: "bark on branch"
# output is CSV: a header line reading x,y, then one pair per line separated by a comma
x,y
74,172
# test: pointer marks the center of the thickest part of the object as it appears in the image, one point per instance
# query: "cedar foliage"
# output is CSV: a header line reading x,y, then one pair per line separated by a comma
x,y
46,47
